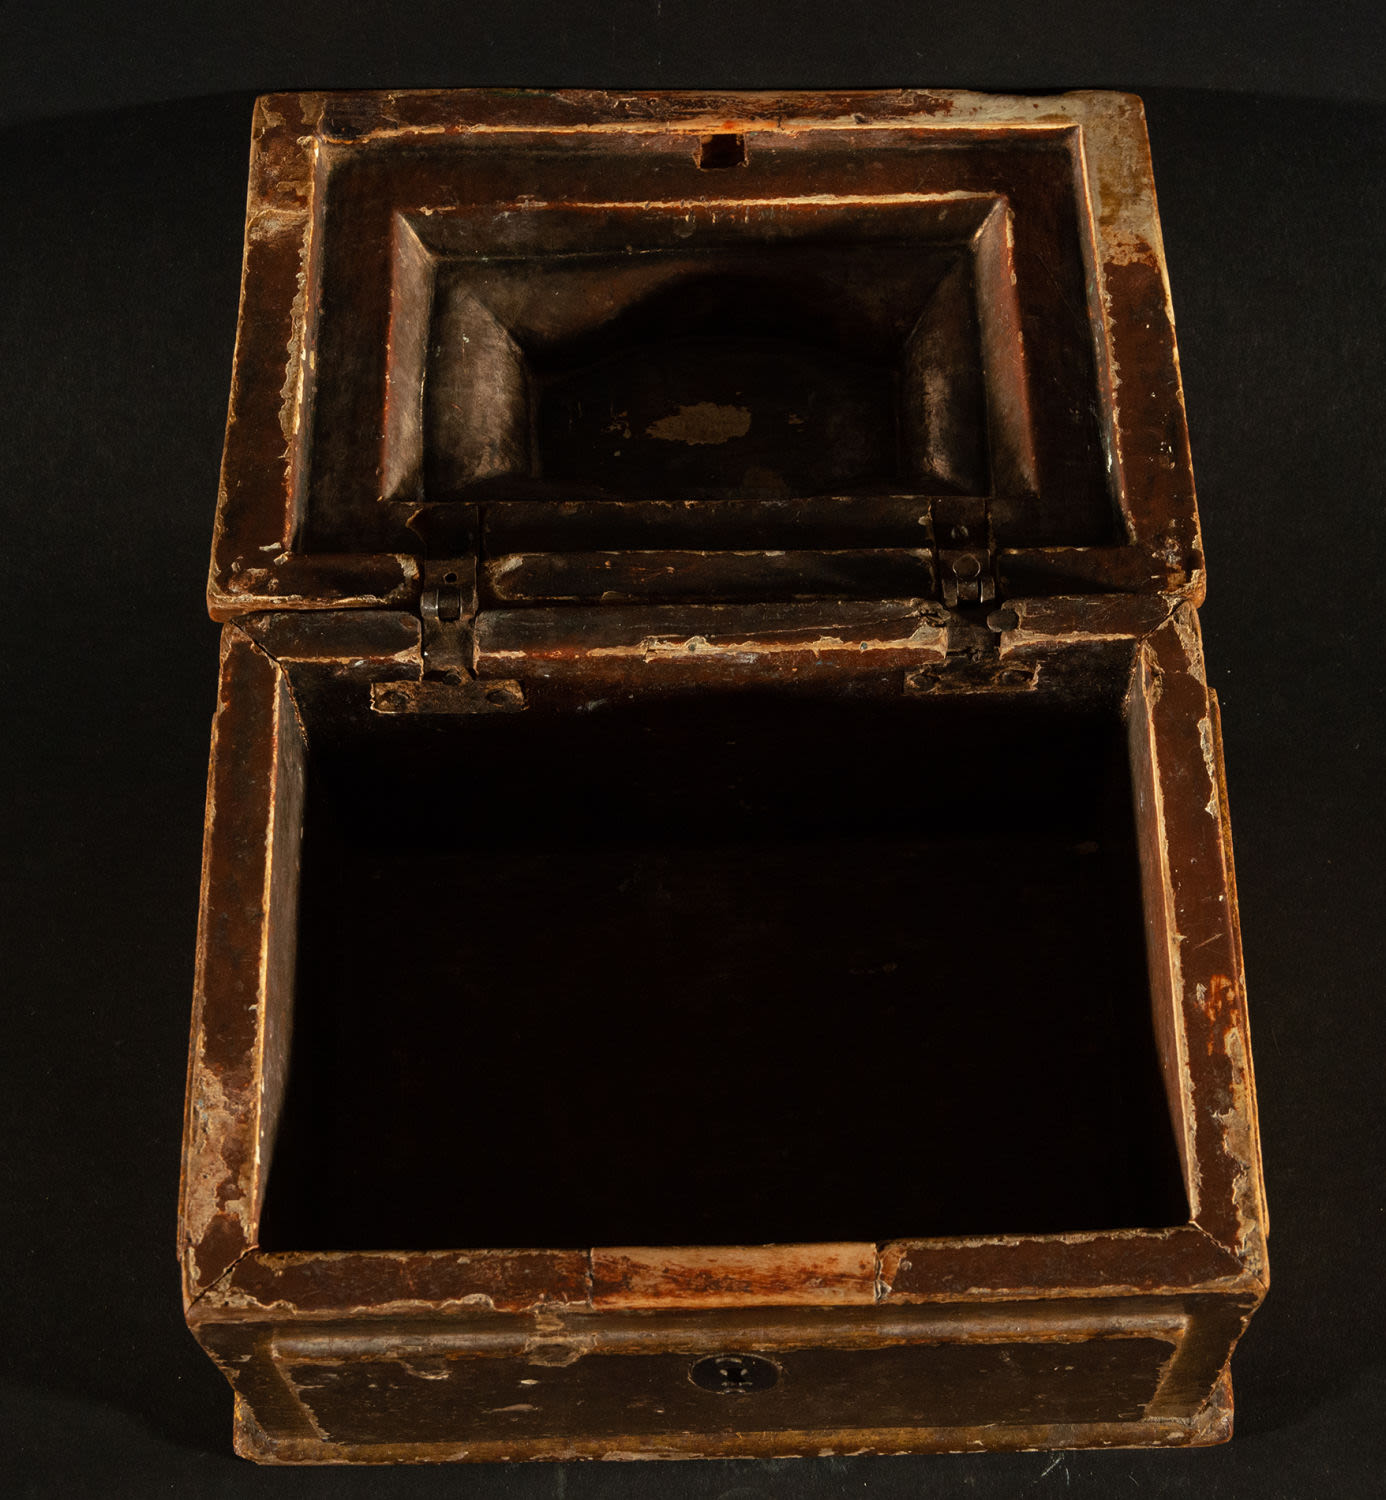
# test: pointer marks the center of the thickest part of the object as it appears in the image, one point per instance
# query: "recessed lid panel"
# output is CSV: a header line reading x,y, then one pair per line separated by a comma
x,y
535,326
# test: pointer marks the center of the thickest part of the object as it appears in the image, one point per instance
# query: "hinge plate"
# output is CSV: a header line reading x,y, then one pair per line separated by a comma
x,y
447,681
498,696
974,662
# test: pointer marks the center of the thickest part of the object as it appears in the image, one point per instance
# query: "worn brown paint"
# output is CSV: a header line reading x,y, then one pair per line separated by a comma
x,y
711,433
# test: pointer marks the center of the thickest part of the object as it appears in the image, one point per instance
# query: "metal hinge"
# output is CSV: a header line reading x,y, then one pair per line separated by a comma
x,y
447,608
447,681
964,549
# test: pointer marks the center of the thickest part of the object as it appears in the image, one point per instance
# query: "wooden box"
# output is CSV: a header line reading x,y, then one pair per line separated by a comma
x,y
718,932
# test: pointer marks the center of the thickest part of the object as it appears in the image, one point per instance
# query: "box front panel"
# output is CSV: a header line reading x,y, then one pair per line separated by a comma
x,y
427,1398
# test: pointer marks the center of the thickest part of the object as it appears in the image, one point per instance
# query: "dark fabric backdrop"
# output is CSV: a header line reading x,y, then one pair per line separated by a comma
x,y
124,148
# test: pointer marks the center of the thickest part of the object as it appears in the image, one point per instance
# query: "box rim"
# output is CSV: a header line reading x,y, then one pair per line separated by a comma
x,y
1223,1246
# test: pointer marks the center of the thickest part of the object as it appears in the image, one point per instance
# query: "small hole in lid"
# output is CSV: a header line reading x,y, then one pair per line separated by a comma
x,y
718,151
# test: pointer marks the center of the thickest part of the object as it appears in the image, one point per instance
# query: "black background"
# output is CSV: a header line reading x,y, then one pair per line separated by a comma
x,y
124,151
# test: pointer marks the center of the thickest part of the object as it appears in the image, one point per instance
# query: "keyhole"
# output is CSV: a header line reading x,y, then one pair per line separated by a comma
x,y
734,1374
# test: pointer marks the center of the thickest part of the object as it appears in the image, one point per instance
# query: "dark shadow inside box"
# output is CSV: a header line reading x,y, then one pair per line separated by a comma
x,y
729,969
721,406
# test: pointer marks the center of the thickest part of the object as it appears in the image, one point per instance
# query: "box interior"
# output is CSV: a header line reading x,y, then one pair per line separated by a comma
x,y
726,967
722,969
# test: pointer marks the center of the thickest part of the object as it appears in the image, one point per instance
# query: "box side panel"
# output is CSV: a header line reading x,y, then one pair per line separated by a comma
x,y
1157,897
1204,949
246,949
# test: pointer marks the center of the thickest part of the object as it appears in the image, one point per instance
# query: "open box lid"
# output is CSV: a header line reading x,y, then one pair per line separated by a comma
x,y
584,348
